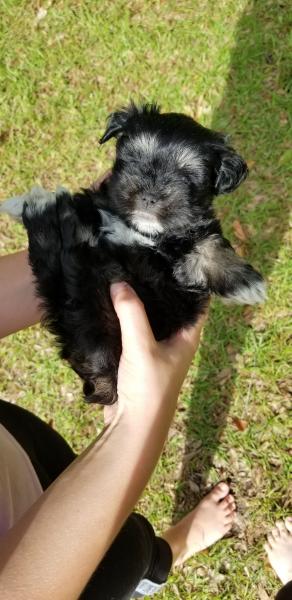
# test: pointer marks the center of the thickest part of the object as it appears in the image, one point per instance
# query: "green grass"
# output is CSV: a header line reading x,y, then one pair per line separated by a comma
x,y
226,63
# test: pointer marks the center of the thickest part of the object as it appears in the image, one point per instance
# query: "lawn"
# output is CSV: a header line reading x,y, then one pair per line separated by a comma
x,y
65,64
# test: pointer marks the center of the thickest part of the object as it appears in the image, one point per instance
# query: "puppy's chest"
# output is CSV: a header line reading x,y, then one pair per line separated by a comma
x,y
118,233
115,231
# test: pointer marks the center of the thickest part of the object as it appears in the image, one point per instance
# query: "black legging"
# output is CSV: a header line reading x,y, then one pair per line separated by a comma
x,y
136,553
285,593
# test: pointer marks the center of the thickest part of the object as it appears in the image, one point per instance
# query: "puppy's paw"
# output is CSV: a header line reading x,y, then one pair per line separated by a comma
x,y
14,207
214,265
250,290
32,202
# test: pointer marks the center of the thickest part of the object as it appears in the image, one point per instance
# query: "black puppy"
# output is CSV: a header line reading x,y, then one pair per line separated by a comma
x,y
151,224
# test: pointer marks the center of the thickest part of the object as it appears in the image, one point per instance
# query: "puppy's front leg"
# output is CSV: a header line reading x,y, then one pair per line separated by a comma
x,y
214,266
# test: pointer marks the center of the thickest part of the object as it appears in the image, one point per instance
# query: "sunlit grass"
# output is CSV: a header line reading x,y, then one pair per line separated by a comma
x,y
227,64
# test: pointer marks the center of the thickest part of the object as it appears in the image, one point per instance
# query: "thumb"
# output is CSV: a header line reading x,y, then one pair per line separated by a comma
x,y
130,310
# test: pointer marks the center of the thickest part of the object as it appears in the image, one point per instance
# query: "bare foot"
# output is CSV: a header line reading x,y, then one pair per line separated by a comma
x,y
206,524
279,549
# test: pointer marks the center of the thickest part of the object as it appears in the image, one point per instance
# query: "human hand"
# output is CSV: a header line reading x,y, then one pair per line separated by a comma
x,y
96,184
150,373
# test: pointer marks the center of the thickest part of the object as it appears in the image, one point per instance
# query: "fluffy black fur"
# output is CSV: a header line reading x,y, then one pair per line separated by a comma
x,y
151,224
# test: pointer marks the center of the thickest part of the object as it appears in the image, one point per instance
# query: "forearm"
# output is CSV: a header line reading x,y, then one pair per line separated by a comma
x,y
53,550
18,304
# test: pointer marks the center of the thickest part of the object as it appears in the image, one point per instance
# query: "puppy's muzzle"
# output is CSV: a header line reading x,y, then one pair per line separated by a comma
x,y
100,391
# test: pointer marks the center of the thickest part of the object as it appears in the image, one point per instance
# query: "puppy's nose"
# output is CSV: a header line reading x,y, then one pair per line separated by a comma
x,y
148,200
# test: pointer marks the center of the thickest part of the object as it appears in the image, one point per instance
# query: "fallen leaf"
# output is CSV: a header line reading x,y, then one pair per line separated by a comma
x,y
255,201
201,571
286,157
176,591
231,351
195,447
285,385
4,135
240,249
239,231
248,313
194,487
262,593
250,164
41,14
240,424
225,567
224,375
275,461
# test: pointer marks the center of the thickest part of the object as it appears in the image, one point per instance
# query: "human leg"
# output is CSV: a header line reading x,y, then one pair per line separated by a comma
x,y
137,554
279,551
49,453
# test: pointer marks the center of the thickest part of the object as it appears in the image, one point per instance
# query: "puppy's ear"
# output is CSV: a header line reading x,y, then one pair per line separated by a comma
x,y
117,123
231,171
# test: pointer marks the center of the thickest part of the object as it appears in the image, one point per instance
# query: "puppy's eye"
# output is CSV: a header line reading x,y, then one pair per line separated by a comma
x,y
132,194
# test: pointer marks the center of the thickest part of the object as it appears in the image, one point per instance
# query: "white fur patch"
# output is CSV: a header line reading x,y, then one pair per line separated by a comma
x,y
85,235
119,233
145,144
252,294
188,158
147,224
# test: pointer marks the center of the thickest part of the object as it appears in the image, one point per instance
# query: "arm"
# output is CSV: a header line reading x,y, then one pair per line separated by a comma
x,y
53,550
18,304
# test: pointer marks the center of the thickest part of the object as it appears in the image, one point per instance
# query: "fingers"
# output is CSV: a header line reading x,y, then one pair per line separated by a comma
x,y
191,335
135,326
96,184
187,339
130,310
288,523
109,412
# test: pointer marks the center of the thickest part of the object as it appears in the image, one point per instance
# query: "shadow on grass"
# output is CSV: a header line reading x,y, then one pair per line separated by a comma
x,y
254,111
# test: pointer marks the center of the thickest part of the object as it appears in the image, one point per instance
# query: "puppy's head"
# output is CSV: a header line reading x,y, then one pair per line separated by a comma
x,y
168,168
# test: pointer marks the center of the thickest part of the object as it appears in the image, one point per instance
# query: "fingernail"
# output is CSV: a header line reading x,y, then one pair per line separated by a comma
x,y
118,287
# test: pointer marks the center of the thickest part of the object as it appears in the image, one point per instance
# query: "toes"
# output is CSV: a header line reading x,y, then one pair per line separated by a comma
x,y
231,502
231,510
282,531
228,503
267,548
288,524
271,539
220,491
275,533
228,526
230,518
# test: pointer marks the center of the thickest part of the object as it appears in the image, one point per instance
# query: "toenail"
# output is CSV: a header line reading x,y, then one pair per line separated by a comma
x,y
275,535
223,487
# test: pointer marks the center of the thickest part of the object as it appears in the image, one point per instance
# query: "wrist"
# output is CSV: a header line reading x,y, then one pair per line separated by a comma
x,y
142,417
